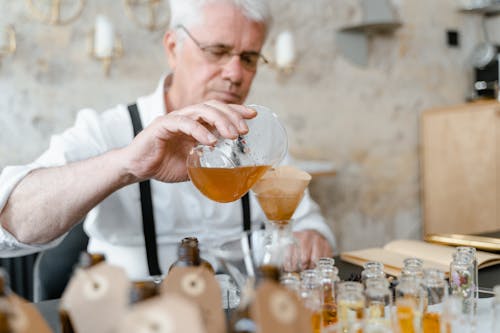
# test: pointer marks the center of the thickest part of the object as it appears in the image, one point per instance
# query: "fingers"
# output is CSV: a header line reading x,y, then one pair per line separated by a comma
x,y
177,124
313,246
227,119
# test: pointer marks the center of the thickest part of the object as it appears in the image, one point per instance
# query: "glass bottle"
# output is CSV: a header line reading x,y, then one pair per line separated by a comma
x,y
282,248
372,270
328,275
188,254
471,251
85,261
143,290
310,293
414,267
436,290
462,282
350,306
378,300
409,305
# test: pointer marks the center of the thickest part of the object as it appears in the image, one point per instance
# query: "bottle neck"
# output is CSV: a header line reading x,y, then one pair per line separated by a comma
x,y
189,255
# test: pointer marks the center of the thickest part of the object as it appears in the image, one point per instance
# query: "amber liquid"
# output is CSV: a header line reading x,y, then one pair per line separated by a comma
x,y
329,307
431,323
279,207
226,184
406,317
316,322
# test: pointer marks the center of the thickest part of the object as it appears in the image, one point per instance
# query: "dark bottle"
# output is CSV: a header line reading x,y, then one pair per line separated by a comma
x,y
188,254
142,290
6,310
86,260
241,321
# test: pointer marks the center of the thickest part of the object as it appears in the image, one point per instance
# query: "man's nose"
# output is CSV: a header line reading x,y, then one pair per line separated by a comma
x,y
233,70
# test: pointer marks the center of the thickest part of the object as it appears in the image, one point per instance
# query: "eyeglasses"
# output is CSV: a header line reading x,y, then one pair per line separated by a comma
x,y
221,54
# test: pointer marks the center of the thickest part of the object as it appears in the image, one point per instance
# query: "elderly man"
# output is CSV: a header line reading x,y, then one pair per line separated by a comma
x,y
91,169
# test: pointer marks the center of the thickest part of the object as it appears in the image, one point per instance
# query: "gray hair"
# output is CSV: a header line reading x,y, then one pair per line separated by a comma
x,y
190,12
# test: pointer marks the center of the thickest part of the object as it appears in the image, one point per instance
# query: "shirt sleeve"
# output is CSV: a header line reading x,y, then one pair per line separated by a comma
x,y
81,141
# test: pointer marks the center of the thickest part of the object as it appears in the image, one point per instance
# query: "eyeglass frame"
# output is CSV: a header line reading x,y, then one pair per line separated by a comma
x,y
226,52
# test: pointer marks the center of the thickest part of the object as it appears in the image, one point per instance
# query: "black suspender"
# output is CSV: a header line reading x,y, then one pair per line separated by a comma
x,y
148,221
245,203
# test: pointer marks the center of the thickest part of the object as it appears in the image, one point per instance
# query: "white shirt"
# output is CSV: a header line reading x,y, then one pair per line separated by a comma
x,y
114,226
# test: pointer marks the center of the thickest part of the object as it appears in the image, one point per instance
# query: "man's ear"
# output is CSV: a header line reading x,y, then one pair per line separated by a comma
x,y
169,44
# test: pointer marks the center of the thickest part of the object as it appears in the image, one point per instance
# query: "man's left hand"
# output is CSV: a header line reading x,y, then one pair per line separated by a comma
x,y
312,246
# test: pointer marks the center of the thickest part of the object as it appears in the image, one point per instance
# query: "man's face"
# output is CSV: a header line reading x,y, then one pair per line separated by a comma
x,y
197,78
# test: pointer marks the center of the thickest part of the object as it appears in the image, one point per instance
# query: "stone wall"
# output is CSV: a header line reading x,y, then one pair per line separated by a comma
x,y
365,119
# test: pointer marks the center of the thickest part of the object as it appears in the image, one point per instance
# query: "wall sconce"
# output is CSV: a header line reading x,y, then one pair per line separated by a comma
x,y
53,15
136,7
284,61
103,44
7,41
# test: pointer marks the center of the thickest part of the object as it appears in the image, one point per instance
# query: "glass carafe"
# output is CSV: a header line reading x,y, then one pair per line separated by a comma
x,y
226,171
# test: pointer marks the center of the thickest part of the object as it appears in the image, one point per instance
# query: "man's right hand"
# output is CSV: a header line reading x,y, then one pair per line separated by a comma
x,y
160,150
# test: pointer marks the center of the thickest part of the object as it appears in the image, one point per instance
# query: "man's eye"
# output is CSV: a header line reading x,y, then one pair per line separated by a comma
x,y
249,59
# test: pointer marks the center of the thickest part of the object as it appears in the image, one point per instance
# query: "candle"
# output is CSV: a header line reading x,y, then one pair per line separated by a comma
x,y
104,37
285,49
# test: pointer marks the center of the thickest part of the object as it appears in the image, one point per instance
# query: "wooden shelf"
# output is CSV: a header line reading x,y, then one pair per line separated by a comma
x,y
373,27
490,10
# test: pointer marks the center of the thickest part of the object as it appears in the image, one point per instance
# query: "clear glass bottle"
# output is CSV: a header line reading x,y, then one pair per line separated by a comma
x,y
471,251
350,306
310,293
436,289
372,270
409,304
328,275
378,301
462,282
282,248
188,254
413,267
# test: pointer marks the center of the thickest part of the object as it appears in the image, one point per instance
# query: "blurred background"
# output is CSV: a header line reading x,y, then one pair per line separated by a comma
x,y
354,81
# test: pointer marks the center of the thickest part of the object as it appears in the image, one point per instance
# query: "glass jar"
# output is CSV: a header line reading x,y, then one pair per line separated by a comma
x,y
409,304
378,300
372,270
350,305
436,290
310,293
462,282
328,275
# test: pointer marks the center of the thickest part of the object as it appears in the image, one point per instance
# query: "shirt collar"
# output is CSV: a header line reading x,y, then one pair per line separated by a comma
x,y
153,105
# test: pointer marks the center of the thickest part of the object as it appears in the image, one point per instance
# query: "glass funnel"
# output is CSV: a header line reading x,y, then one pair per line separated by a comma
x,y
226,171
279,193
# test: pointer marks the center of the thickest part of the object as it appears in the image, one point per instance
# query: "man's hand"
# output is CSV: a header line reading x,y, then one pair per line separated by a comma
x,y
160,150
312,246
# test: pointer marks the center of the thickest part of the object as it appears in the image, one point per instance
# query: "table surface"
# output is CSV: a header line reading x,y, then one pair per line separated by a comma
x,y
488,278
